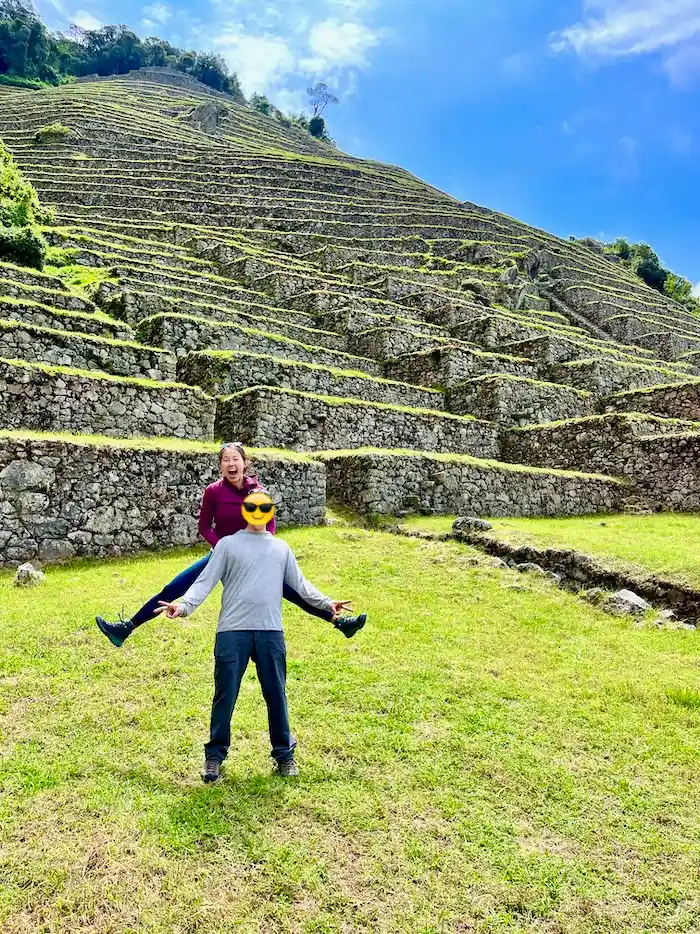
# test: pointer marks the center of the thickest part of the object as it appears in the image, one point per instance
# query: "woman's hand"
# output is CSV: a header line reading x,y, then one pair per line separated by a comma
x,y
338,606
171,610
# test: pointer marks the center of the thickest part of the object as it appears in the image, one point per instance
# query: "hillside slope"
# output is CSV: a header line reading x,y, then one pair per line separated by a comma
x,y
229,277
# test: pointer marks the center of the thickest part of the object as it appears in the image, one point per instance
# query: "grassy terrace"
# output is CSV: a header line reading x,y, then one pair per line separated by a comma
x,y
665,544
534,771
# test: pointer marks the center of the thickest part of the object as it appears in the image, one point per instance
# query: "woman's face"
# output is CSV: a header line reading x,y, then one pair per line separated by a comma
x,y
232,467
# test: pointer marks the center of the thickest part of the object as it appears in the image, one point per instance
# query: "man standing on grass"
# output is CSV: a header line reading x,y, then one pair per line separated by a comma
x,y
253,566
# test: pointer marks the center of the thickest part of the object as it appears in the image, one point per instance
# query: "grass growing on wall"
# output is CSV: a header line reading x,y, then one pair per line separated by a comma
x,y
488,754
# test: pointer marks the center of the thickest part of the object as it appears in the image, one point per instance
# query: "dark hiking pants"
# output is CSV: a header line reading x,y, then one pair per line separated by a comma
x,y
232,652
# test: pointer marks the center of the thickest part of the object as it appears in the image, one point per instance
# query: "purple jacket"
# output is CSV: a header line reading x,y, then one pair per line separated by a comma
x,y
220,514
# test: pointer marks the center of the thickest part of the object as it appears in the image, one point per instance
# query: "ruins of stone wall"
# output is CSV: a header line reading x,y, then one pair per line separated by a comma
x,y
377,484
602,444
39,398
303,422
60,499
667,469
512,401
679,400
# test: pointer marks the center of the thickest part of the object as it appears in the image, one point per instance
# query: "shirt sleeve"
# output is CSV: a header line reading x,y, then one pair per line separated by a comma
x,y
207,580
296,580
206,518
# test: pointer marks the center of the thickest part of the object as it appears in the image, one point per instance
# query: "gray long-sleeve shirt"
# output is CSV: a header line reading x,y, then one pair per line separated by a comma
x,y
253,566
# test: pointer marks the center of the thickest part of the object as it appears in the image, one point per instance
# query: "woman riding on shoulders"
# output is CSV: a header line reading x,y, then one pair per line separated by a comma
x,y
221,515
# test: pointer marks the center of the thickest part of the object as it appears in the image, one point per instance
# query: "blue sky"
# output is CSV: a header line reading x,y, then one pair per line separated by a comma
x,y
578,116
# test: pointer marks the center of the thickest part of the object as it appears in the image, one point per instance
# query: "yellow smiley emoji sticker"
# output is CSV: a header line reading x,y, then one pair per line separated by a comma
x,y
258,508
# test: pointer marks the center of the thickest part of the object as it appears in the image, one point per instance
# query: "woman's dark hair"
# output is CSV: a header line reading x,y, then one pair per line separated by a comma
x,y
238,447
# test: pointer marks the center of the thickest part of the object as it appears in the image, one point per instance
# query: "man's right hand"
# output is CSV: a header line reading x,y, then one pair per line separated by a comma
x,y
171,610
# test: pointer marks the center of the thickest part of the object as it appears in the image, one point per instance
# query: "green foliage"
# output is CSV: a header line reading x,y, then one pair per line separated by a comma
x,y
52,133
22,245
645,263
20,210
29,84
29,52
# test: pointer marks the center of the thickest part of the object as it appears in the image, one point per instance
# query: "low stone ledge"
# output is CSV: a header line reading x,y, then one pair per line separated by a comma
x,y
401,482
83,352
269,417
604,377
444,367
65,497
514,401
182,334
227,372
580,571
675,400
604,443
37,397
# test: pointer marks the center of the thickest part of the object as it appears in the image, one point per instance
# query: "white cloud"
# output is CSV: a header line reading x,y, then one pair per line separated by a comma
x,y
334,44
260,61
157,13
86,20
619,28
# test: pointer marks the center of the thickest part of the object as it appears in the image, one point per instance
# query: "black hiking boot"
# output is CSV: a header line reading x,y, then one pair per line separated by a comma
x,y
211,771
117,633
288,768
349,625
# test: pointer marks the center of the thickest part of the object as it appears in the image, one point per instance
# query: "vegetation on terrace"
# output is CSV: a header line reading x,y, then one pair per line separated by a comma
x,y
534,770
20,212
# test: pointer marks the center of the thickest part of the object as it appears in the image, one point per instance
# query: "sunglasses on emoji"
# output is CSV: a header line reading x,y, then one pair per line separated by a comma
x,y
263,507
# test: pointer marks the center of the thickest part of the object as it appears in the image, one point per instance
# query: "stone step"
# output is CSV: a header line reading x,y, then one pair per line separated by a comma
x,y
66,496
94,323
303,421
58,298
83,351
221,372
676,400
493,331
36,396
134,306
386,342
182,334
606,376
444,367
398,483
514,401
603,443
366,314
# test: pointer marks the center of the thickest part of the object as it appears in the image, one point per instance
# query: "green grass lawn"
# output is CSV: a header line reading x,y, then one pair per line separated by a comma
x,y
667,544
488,754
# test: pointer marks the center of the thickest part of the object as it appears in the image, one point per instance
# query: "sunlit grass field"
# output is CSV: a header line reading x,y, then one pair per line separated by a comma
x,y
666,544
488,754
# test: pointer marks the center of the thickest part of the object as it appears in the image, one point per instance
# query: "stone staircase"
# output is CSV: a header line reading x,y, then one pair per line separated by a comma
x,y
353,325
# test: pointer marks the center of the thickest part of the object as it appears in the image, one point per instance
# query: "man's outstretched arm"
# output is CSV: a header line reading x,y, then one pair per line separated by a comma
x,y
202,587
306,590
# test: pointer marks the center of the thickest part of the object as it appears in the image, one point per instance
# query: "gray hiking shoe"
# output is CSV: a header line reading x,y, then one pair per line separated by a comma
x,y
211,771
288,768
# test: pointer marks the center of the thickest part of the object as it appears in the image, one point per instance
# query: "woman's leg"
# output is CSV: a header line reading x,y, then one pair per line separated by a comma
x,y
290,594
176,588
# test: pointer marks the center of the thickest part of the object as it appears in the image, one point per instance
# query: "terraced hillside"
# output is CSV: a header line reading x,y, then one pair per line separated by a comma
x,y
216,275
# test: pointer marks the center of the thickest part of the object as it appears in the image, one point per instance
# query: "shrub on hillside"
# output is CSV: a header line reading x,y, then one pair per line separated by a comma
x,y
23,246
52,133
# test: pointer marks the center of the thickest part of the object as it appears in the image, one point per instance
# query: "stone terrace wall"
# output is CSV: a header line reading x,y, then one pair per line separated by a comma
x,y
303,422
668,470
60,499
395,485
513,401
680,400
604,444
39,398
